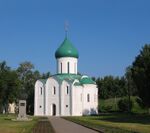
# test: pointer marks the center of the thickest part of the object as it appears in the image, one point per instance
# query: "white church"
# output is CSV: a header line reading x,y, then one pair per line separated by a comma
x,y
66,93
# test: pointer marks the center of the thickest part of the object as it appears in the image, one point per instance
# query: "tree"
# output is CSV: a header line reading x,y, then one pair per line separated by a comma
x,y
27,83
111,87
141,74
124,104
130,86
45,75
28,77
9,86
18,84
3,66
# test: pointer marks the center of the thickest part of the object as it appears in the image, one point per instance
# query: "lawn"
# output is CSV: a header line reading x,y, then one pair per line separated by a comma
x,y
116,123
9,126
110,105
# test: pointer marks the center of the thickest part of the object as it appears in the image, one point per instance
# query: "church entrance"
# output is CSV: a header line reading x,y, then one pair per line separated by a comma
x,y
53,110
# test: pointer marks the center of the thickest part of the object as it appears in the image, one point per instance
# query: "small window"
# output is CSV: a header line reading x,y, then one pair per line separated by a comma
x,y
54,90
88,98
61,67
40,106
68,67
66,106
41,90
67,90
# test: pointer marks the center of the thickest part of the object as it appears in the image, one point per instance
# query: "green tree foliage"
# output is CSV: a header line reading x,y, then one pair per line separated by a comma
x,y
130,86
123,104
141,74
9,86
28,77
18,84
110,87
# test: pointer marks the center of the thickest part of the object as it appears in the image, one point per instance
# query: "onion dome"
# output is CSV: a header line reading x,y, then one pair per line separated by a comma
x,y
66,49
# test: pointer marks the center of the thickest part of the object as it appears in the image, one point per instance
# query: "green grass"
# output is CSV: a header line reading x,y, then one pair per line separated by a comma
x,y
112,102
9,126
116,123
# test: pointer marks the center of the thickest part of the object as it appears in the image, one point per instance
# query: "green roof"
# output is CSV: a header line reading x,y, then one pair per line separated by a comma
x,y
81,80
68,77
72,77
87,80
66,49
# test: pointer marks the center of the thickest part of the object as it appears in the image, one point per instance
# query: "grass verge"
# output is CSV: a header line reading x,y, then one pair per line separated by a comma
x,y
9,126
116,123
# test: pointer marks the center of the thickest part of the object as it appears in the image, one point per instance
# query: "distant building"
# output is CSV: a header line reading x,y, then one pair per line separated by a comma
x,y
67,93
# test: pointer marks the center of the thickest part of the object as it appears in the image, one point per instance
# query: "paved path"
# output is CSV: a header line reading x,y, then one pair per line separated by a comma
x,y
63,126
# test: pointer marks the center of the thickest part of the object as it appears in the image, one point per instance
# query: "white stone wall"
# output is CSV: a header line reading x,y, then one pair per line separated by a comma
x,y
52,98
66,99
77,100
39,99
73,62
91,106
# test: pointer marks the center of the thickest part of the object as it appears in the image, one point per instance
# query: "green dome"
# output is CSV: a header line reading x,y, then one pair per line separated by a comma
x,y
66,49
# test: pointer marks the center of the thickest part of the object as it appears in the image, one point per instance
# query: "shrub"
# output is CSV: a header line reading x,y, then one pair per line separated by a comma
x,y
123,104
106,108
140,102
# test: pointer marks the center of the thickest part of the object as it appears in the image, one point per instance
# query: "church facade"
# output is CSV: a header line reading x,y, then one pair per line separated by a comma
x,y
66,93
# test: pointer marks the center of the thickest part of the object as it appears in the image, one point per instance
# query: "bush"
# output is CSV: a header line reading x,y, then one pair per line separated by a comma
x,y
123,104
106,108
140,102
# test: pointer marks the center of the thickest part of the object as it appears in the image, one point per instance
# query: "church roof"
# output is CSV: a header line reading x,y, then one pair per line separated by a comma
x,y
81,80
68,77
72,77
87,80
66,49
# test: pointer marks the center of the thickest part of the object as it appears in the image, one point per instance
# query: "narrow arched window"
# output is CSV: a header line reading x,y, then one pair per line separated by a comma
x,y
61,67
88,98
41,90
54,90
67,90
68,67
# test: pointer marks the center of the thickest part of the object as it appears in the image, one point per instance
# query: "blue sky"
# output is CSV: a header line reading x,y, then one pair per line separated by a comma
x,y
107,33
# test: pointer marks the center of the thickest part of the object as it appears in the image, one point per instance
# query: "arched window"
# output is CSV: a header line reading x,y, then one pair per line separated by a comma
x,y
54,90
67,90
68,67
41,90
88,97
61,67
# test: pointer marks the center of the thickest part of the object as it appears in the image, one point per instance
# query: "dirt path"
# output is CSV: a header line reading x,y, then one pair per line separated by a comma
x,y
63,126
43,126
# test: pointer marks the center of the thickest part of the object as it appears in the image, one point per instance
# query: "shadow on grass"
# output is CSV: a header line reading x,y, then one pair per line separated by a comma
x,y
125,118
